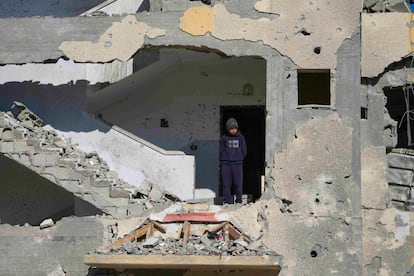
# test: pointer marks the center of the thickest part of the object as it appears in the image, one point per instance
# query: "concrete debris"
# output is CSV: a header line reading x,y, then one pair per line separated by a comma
x,y
241,242
151,242
400,179
196,245
26,116
87,175
47,223
154,193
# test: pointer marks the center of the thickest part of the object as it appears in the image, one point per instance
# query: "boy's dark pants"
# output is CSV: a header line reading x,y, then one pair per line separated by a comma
x,y
232,174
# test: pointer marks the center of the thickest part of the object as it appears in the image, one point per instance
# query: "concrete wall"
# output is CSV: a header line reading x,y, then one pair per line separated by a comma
x,y
325,190
56,250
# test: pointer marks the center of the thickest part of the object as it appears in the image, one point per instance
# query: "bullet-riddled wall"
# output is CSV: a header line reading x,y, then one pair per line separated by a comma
x,y
312,212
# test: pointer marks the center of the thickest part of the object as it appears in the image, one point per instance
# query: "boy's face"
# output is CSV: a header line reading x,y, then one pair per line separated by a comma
x,y
233,131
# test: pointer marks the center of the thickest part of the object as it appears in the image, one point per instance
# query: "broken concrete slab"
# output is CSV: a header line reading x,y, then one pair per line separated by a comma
x,y
47,223
402,161
399,176
151,242
26,115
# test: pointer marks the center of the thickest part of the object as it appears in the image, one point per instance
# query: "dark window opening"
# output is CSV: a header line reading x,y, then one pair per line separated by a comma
x,y
400,104
364,113
314,87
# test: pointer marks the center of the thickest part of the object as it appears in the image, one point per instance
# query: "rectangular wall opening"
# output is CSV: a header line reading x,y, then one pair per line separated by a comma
x,y
314,87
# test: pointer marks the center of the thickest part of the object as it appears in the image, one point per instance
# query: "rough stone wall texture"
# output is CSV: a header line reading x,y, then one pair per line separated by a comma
x,y
312,176
31,251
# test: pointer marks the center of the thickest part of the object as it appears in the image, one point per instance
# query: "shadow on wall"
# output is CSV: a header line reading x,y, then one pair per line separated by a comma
x,y
29,8
26,197
62,107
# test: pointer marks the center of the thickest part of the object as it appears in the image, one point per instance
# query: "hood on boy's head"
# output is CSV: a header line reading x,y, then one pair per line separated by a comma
x,y
231,123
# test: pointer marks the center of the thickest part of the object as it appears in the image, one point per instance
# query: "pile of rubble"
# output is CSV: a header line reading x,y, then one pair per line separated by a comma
x,y
188,229
206,245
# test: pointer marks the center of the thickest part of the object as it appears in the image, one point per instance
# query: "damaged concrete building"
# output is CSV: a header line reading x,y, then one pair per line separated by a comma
x,y
111,114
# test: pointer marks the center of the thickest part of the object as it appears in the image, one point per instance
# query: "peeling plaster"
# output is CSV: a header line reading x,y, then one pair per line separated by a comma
x,y
384,40
384,237
120,41
285,32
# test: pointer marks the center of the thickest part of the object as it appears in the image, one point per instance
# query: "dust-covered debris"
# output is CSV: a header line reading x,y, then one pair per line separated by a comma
x,y
205,245
47,223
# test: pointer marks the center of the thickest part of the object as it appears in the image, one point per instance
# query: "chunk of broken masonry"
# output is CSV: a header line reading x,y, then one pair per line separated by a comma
x,y
151,242
26,116
46,223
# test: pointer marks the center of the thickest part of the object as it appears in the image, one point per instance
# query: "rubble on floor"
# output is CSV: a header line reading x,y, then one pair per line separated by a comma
x,y
197,245
189,229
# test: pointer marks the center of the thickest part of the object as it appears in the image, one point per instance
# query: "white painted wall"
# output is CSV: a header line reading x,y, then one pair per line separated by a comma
x,y
136,160
117,7
65,71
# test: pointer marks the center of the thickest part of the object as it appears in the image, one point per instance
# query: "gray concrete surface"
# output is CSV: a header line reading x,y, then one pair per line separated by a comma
x,y
327,207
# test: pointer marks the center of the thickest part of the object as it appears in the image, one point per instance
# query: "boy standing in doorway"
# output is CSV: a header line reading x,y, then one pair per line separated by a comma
x,y
233,150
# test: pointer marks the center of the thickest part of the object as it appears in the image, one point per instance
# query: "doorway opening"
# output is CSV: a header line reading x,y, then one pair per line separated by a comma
x,y
251,120
173,101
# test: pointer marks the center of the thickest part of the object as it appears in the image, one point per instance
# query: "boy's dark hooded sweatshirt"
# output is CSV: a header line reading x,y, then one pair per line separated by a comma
x,y
233,148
